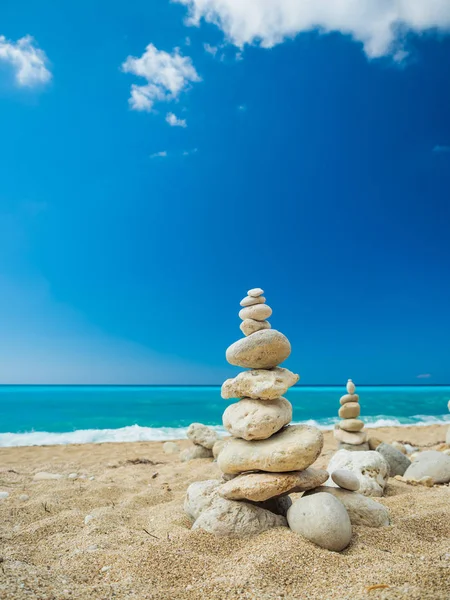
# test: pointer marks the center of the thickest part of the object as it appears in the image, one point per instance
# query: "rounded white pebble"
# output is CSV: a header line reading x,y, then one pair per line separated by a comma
x,y
350,387
91,478
92,548
88,519
104,569
73,475
345,479
3,495
24,497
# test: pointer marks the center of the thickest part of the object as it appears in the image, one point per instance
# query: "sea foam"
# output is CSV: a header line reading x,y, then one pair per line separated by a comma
x,y
136,433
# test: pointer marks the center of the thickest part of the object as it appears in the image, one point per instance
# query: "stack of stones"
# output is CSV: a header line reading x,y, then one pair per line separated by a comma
x,y
349,431
266,458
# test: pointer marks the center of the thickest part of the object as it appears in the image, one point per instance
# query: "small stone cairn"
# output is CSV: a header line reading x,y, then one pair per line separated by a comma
x,y
349,431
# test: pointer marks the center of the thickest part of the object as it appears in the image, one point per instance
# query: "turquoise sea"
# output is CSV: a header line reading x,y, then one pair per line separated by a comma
x,y
36,415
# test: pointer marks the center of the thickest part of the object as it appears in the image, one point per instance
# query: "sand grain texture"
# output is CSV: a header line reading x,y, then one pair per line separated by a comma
x,y
139,544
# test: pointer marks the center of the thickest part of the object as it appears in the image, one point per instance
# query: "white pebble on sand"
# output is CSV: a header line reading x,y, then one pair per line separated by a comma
x,y
24,497
3,495
345,480
88,519
73,476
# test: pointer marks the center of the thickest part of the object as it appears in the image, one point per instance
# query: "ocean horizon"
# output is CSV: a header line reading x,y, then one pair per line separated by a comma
x,y
76,414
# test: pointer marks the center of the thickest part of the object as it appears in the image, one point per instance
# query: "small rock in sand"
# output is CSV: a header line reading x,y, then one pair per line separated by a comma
x,y
202,435
171,448
361,510
88,519
322,519
397,461
195,452
399,446
43,476
72,476
370,468
3,495
345,480
430,464
24,497
218,447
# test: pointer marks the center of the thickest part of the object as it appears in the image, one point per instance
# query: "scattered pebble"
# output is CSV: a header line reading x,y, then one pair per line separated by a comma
x,y
73,476
3,495
92,548
42,476
104,569
91,478
88,519
24,497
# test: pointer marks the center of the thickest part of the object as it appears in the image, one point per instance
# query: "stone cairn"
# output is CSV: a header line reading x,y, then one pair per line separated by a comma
x,y
266,458
349,431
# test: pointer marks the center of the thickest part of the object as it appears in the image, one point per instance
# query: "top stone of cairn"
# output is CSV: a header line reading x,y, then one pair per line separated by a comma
x,y
255,292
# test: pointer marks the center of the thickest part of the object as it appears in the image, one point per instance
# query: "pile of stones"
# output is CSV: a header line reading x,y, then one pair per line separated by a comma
x,y
349,431
266,458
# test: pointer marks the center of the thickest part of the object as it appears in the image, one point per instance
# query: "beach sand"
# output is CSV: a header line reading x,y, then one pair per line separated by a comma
x,y
139,544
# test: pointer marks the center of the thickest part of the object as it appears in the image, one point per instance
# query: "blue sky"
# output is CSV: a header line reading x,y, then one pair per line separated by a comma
x,y
154,168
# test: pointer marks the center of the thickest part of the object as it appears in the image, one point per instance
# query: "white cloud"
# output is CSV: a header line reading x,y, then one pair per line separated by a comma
x,y
424,376
161,154
174,121
167,76
28,61
210,49
189,152
380,25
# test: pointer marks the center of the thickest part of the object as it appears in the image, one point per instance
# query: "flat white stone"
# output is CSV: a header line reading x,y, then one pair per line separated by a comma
x,y
195,452
354,438
171,448
43,476
255,292
293,449
259,487
257,312
250,300
351,425
266,384
430,464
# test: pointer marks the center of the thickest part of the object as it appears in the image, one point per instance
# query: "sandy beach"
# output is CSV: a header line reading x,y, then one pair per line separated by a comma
x,y
137,542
